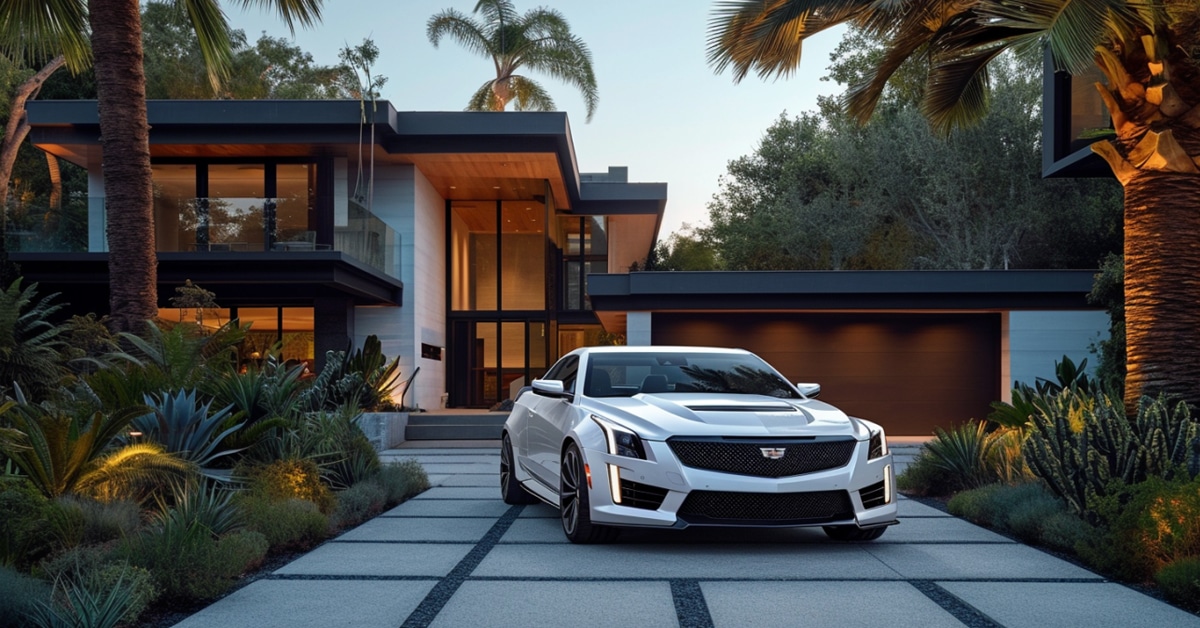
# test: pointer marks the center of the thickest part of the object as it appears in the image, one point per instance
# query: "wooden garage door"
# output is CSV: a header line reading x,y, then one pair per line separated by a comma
x,y
907,372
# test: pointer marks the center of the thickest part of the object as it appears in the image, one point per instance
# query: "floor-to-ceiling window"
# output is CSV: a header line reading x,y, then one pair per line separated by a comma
x,y
499,299
244,206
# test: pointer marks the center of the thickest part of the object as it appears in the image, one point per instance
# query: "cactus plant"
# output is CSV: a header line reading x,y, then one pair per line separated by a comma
x,y
1080,443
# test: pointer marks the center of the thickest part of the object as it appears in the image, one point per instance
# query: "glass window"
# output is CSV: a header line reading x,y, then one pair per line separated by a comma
x,y
523,256
473,256
233,208
294,219
625,374
175,217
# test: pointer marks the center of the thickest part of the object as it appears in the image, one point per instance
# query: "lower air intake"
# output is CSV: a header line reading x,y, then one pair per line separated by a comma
x,y
724,508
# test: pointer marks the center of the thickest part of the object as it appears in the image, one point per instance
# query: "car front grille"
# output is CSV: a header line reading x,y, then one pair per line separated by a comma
x,y
751,456
726,508
873,496
638,495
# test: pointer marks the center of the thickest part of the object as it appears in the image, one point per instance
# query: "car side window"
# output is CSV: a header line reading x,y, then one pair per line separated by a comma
x,y
565,370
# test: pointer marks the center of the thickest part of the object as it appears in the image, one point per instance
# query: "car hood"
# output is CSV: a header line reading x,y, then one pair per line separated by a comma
x,y
660,416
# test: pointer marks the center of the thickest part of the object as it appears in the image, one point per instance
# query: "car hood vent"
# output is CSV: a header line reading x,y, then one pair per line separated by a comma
x,y
777,407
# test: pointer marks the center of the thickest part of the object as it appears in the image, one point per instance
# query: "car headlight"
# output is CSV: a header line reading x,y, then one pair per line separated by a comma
x,y
621,441
878,447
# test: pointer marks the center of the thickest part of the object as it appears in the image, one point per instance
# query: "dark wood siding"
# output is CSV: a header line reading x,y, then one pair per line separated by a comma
x,y
907,372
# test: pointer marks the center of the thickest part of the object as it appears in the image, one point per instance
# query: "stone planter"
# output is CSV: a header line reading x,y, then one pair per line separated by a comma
x,y
385,430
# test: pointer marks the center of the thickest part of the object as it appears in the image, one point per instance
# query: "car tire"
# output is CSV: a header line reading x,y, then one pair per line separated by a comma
x,y
510,489
854,533
575,503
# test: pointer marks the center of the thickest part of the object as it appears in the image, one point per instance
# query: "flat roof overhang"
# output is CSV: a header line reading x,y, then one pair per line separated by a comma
x,y
488,149
268,278
614,295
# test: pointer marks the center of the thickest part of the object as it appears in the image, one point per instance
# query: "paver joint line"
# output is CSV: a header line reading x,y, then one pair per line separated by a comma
x,y
967,614
441,593
690,607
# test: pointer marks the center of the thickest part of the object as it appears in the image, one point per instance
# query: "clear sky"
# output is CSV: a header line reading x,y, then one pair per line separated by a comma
x,y
662,112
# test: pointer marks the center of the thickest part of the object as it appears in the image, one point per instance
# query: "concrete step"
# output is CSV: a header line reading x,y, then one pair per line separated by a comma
x,y
447,426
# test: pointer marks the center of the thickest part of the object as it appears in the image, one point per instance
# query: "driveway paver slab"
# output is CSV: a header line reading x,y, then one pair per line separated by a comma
x,y
557,604
973,561
940,530
313,603
683,561
914,508
1068,605
858,604
449,508
460,492
422,529
378,559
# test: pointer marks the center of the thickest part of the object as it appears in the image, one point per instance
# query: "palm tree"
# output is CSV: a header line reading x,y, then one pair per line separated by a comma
x,y
1147,51
540,40
47,28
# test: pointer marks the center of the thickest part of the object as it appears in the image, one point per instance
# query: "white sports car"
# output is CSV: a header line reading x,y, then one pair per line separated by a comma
x,y
673,437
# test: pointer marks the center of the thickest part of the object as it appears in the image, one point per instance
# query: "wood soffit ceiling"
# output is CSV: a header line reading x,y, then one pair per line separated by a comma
x,y
456,176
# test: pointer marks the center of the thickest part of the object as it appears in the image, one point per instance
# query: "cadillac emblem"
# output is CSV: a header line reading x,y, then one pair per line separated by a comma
x,y
773,453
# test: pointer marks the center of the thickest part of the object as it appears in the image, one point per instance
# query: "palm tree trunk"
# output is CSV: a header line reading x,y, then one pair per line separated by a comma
x,y
121,82
1162,283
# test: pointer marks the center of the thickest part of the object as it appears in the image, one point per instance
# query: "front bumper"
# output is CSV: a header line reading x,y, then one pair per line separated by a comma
x,y
662,492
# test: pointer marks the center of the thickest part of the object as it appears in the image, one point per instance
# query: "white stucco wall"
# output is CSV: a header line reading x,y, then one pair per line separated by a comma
x,y
637,329
1036,340
407,202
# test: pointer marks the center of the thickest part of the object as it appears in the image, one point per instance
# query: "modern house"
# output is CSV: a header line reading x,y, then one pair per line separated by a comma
x,y
473,247
462,240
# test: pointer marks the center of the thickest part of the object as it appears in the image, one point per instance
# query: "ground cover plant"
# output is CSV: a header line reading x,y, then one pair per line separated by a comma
x,y
155,473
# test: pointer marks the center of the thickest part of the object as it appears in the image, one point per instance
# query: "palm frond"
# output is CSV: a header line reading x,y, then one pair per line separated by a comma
x,y
484,99
567,58
213,35
767,35
133,472
530,96
1073,27
460,28
42,29
305,12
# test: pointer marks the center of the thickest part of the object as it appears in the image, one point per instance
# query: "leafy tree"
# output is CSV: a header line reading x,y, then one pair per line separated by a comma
x,y
685,249
63,27
1147,53
540,40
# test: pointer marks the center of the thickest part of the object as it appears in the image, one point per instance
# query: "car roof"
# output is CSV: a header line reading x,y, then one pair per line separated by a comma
x,y
658,348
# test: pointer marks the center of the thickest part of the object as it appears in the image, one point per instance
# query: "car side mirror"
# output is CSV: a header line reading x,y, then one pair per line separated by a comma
x,y
812,391
550,388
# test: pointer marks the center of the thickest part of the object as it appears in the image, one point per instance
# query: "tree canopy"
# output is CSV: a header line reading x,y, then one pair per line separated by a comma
x,y
822,192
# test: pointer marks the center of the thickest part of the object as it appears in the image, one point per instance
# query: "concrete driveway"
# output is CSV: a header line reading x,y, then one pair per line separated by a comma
x,y
458,556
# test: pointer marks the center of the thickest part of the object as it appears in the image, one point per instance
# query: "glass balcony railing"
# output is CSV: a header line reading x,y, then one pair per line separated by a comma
x,y
368,239
45,229
228,224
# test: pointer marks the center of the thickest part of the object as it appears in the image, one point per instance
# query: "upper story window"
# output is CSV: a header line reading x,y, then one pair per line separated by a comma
x,y
585,251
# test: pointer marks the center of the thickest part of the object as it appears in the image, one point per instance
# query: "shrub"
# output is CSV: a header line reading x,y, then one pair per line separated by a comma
x,y
401,480
188,563
923,477
293,478
104,521
19,595
1180,581
1065,530
285,524
1146,526
207,506
359,503
1025,510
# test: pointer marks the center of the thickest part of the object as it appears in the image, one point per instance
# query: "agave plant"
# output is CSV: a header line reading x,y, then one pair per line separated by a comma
x,y
184,426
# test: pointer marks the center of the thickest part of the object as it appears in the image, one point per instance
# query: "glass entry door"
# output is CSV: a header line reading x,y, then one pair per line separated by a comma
x,y
491,360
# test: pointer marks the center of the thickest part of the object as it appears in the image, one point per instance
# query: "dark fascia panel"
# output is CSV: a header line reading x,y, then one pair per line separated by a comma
x,y
271,277
786,290
257,113
1056,124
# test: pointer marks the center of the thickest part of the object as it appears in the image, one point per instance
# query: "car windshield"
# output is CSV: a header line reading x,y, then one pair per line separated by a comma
x,y
627,374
